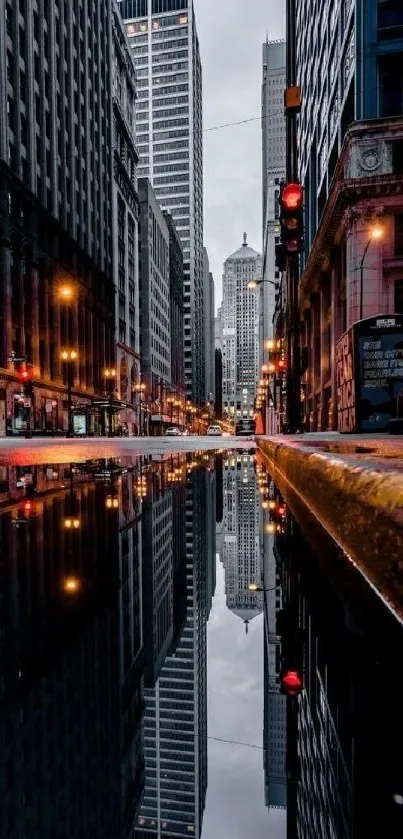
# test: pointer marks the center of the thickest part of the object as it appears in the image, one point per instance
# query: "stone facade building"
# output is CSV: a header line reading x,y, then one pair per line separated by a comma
x,y
367,190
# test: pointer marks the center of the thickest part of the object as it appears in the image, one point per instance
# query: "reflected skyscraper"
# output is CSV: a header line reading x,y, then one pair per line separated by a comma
x,y
241,544
274,703
176,709
71,687
157,525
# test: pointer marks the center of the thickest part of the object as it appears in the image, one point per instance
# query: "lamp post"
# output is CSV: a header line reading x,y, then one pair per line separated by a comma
x,y
376,234
66,294
110,376
256,587
140,388
71,524
253,284
171,403
69,356
178,405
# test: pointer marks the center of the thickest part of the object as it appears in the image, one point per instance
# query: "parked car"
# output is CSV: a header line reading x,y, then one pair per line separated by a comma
x,y
214,431
172,431
245,428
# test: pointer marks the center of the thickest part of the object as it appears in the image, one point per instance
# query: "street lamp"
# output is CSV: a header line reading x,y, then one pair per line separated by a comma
x,y
256,587
69,356
140,388
66,293
171,403
109,376
112,502
253,284
376,234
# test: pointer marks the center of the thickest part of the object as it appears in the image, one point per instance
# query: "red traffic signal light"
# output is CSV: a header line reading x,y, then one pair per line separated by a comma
x,y
24,371
292,682
291,201
292,197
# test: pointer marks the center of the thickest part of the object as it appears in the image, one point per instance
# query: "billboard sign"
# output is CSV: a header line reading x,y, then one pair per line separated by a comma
x,y
369,374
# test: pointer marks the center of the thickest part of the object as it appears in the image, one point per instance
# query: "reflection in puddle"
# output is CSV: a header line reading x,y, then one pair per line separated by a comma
x,y
116,710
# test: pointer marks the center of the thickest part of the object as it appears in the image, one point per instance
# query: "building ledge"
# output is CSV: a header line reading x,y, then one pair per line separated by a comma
x,y
364,172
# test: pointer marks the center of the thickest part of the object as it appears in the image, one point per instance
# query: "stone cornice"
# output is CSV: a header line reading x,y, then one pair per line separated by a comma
x,y
346,190
344,194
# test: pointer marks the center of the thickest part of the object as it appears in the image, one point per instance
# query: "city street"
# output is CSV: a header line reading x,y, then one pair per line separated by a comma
x,y
41,449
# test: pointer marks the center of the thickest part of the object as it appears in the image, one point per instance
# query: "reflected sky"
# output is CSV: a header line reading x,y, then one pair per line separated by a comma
x,y
235,806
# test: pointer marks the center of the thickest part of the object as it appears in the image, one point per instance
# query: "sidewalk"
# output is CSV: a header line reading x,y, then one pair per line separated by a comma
x,y
354,487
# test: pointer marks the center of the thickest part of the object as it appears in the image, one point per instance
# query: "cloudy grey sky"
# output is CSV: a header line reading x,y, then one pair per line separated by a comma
x,y
235,807
231,33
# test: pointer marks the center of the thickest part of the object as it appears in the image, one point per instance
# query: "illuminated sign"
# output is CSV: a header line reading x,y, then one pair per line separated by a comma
x,y
369,375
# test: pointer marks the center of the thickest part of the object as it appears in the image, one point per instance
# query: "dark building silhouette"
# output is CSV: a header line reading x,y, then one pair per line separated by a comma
x,y
71,690
176,281
157,575
344,732
56,217
218,382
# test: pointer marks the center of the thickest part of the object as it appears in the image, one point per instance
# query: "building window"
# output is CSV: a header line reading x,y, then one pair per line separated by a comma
x,y
391,86
398,309
390,20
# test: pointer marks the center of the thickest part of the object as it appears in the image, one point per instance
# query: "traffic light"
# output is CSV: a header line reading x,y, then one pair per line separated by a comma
x,y
291,200
25,375
281,257
291,682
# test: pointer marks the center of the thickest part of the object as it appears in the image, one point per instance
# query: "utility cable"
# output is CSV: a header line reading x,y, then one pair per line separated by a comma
x,y
235,743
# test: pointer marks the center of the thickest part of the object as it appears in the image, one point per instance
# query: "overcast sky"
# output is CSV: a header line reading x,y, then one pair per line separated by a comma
x,y
231,33
235,807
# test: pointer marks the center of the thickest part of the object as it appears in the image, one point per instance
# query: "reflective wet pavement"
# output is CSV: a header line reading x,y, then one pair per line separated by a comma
x,y
140,677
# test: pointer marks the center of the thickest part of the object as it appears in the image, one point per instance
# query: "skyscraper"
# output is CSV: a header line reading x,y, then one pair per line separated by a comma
x,y
208,284
169,123
273,169
55,206
273,118
240,549
155,302
240,325
125,221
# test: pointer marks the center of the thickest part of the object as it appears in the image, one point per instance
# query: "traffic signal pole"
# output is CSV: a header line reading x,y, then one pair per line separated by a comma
x,y
292,269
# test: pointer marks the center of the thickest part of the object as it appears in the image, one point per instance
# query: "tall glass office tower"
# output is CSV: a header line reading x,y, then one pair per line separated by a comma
x,y
165,45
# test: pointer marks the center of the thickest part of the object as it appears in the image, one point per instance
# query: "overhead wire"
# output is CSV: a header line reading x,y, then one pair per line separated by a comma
x,y
236,743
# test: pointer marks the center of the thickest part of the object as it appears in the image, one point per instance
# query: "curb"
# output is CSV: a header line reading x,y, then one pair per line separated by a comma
x,y
358,502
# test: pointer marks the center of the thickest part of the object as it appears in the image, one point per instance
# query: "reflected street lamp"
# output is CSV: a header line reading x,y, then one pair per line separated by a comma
x,y
71,585
69,356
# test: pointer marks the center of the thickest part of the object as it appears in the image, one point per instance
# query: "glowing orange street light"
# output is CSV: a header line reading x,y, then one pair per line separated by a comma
x,y
71,524
71,585
66,293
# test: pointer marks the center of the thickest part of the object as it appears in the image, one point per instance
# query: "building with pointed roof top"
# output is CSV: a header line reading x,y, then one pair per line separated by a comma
x,y
240,331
